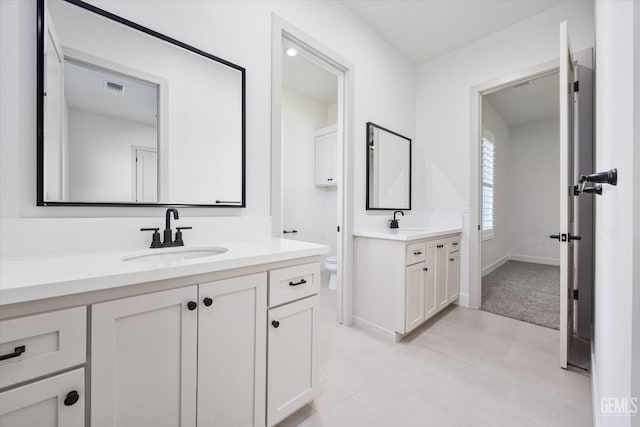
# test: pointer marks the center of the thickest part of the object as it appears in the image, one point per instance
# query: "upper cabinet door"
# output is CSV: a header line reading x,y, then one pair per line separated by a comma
x,y
231,343
143,360
325,168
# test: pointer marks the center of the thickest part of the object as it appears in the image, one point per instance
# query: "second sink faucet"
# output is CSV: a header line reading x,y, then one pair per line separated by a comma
x,y
394,221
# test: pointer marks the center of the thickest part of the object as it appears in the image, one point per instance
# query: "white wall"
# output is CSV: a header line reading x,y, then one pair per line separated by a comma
x,y
443,101
494,251
534,196
239,31
100,156
309,209
616,359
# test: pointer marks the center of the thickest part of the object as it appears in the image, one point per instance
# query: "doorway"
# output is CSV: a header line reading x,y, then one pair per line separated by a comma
x,y
520,201
311,154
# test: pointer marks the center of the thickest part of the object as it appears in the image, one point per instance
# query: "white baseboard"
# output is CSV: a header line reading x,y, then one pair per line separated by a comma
x,y
489,268
371,327
534,259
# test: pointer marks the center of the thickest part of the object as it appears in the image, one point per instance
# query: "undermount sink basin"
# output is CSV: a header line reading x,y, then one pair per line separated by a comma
x,y
416,228
175,254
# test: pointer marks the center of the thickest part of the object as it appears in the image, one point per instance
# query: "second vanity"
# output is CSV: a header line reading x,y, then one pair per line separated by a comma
x,y
108,339
403,277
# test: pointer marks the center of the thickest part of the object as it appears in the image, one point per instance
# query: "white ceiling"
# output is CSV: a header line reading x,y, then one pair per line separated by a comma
x,y
520,104
303,76
84,90
424,29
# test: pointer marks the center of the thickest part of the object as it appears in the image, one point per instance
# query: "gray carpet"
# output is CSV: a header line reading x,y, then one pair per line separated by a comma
x,y
524,291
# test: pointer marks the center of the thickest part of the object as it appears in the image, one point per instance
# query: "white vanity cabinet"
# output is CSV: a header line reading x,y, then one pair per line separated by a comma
x,y
401,284
326,156
292,370
151,353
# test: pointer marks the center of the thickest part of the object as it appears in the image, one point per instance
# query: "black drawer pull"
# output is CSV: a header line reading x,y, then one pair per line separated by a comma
x,y
417,253
16,352
301,282
455,243
71,398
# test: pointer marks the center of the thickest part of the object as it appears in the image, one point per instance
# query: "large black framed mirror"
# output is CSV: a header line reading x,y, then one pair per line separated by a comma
x,y
388,169
127,116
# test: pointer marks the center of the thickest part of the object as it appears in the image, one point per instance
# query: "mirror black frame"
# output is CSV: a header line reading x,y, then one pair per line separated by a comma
x,y
40,107
370,127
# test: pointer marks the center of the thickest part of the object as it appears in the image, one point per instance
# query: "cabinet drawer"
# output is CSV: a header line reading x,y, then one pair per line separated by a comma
x,y
415,253
293,283
41,344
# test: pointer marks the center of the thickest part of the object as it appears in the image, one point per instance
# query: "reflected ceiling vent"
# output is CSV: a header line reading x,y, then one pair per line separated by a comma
x,y
112,87
521,84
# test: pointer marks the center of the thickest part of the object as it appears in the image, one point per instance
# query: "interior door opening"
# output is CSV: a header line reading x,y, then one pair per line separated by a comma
x,y
523,194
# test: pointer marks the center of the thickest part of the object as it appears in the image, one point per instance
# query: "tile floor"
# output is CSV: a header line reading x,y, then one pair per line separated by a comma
x,y
463,368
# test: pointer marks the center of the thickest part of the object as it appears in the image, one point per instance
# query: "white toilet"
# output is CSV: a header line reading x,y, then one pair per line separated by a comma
x,y
331,264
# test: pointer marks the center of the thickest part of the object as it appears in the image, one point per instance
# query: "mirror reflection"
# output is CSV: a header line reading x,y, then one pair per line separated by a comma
x,y
388,169
130,118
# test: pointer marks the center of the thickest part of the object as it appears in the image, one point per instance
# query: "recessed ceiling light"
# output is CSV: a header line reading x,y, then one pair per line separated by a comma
x,y
292,52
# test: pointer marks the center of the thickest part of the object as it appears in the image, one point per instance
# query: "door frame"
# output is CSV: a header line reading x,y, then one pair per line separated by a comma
x,y
475,207
134,169
283,30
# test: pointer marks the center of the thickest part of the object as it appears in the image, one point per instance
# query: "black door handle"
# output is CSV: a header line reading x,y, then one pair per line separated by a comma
x,y
301,282
574,237
16,352
71,398
555,237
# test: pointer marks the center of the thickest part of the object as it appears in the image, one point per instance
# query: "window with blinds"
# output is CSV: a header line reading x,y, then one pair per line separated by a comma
x,y
488,178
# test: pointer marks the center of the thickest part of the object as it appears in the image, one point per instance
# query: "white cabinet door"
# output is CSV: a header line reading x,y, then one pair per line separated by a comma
x,y
440,273
55,402
143,360
231,351
292,363
453,275
414,296
430,305
326,159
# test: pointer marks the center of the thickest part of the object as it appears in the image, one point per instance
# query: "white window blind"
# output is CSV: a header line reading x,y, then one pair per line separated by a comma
x,y
488,178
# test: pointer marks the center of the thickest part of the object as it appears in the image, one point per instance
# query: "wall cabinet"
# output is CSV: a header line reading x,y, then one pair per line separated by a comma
x,y
326,156
150,354
399,285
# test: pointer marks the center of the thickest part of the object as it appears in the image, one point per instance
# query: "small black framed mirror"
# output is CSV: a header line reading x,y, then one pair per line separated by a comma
x,y
127,116
388,169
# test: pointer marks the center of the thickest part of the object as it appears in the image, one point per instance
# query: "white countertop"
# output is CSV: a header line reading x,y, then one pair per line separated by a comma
x,y
32,278
408,233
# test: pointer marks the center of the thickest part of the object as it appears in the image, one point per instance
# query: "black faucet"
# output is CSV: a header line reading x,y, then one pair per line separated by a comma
x,y
394,221
168,233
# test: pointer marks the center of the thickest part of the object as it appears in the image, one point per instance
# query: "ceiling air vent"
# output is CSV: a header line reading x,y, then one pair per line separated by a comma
x,y
113,87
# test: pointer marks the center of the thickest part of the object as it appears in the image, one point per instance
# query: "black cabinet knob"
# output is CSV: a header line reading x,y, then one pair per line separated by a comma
x,y
71,398
451,259
275,323
207,301
191,305
425,269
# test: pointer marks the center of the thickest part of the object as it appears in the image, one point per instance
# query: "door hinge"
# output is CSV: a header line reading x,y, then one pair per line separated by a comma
x,y
338,229
576,86
575,294
478,228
